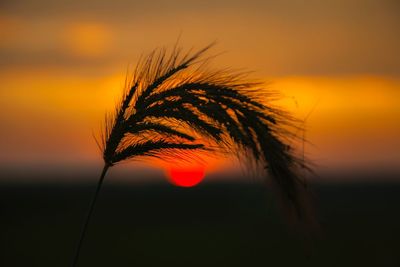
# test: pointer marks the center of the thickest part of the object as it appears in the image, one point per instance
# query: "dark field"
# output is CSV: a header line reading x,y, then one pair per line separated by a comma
x,y
209,225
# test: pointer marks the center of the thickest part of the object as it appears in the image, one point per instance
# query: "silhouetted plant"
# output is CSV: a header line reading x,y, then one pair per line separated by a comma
x,y
169,107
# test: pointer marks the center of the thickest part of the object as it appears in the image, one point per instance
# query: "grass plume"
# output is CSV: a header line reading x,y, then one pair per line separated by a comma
x,y
168,95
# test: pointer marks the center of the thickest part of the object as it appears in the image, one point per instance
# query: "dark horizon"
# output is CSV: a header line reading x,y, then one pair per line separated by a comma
x,y
213,224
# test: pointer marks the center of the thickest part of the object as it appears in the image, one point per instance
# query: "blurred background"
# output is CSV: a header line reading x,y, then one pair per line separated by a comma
x,y
63,64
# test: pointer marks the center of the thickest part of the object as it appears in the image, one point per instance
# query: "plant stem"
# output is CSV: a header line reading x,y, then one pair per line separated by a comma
x,y
89,214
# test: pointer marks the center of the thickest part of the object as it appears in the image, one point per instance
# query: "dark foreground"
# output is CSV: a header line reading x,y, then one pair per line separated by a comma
x,y
210,225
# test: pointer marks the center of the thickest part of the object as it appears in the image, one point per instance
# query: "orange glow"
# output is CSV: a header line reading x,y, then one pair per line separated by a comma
x,y
50,114
187,176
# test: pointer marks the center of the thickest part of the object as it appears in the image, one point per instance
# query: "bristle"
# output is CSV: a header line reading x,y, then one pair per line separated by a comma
x,y
221,106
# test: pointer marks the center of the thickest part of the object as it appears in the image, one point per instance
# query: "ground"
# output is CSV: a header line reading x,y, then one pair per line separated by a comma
x,y
213,224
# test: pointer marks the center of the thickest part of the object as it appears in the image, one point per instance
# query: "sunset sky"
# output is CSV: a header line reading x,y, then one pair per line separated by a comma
x,y
63,64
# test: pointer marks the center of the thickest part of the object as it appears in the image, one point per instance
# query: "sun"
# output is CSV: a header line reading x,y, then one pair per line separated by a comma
x,y
186,176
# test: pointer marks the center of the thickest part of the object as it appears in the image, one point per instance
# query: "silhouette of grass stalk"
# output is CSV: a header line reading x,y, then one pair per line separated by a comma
x,y
170,109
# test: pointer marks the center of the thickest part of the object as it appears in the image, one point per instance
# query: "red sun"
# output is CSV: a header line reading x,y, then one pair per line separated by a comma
x,y
186,177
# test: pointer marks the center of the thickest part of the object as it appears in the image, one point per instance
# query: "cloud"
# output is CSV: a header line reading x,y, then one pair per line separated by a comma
x,y
271,37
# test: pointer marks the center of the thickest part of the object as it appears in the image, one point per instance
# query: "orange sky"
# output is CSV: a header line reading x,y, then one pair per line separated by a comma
x,y
62,66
